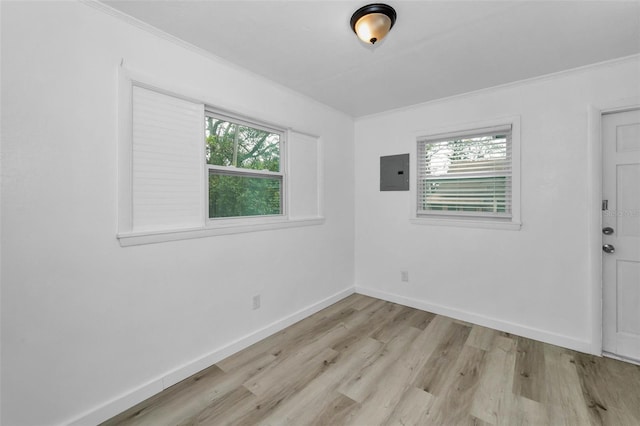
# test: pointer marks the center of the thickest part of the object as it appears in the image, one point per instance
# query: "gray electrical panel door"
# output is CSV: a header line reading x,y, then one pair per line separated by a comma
x,y
394,173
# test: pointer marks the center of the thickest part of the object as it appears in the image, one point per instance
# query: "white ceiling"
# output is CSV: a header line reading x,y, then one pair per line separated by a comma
x,y
436,49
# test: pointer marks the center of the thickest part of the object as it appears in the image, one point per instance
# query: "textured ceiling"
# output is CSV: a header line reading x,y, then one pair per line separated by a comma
x,y
436,49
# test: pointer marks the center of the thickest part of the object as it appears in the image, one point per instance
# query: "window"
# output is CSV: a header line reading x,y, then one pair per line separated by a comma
x,y
466,174
188,171
244,164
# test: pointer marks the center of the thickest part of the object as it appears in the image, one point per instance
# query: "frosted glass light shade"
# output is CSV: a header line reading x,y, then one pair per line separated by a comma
x,y
372,23
373,27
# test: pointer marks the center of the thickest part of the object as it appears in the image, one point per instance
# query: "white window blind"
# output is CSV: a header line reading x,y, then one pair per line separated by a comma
x,y
167,156
304,170
466,174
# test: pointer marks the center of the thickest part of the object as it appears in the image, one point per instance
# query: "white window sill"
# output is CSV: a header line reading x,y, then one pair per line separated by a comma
x,y
467,223
152,237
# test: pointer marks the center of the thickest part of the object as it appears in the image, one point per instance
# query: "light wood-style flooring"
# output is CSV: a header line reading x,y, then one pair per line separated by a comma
x,y
364,361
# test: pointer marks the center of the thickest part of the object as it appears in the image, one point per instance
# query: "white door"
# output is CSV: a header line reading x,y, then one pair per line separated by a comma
x,y
621,234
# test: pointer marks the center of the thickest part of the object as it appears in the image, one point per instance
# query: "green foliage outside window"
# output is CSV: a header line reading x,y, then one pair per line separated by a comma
x,y
231,196
230,144
241,192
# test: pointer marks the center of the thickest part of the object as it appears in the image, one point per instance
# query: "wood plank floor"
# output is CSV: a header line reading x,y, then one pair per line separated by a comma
x,y
364,361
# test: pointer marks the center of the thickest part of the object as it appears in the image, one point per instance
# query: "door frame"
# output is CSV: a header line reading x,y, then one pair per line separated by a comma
x,y
594,203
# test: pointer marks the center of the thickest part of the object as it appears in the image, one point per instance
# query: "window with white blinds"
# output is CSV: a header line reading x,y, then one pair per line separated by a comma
x,y
166,162
466,174
187,170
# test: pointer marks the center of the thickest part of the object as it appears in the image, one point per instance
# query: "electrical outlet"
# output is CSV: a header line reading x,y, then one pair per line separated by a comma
x,y
256,302
404,276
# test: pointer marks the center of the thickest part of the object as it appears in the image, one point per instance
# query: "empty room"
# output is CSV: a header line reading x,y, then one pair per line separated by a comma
x,y
320,212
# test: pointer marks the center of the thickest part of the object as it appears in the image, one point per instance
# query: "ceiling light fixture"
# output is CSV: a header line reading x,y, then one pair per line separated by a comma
x,y
371,23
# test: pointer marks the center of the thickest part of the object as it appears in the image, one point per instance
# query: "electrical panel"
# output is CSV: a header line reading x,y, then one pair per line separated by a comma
x,y
394,173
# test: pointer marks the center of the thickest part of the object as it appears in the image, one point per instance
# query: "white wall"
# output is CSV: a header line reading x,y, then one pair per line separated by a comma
x,y
533,282
84,320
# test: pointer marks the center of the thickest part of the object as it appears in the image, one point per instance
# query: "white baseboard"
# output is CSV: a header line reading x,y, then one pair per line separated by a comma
x,y
497,324
131,398
621,358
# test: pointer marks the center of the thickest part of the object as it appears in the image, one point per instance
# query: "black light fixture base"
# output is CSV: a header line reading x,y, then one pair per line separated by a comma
x,y
385,9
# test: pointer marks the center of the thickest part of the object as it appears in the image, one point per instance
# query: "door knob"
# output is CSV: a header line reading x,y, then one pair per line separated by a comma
x,y
608,248
607,231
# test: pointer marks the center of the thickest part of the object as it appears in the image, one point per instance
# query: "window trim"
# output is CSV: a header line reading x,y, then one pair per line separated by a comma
x,y
127,78
460,220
